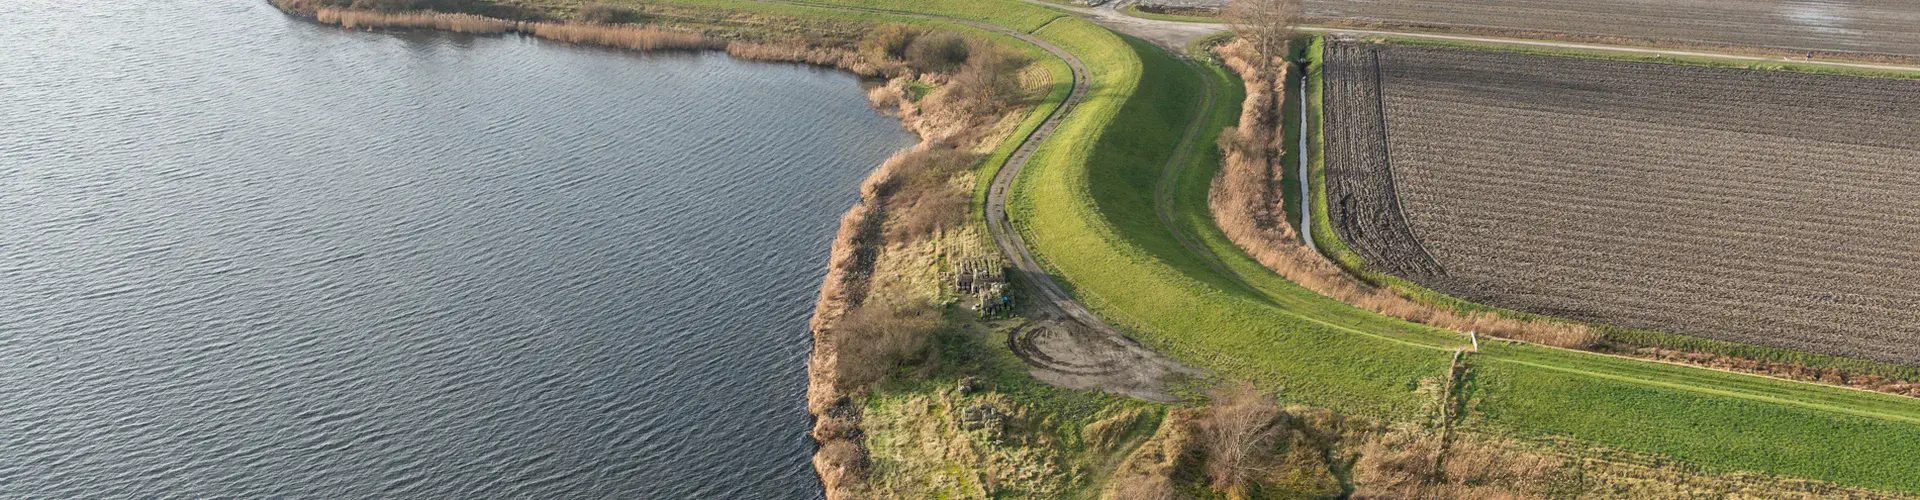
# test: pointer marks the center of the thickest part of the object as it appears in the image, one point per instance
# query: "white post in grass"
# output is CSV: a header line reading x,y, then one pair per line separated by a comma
x,y
1476,340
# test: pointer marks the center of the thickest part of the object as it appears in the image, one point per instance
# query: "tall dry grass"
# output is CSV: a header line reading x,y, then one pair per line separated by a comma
x,y
1416,463
1148,473
367,19
849,60
1246,201
623,36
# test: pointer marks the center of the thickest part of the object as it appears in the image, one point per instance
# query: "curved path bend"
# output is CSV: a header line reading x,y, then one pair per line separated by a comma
x,y
1066,345
1001,226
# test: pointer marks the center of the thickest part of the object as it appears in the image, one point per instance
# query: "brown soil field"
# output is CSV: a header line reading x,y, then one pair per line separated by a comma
x,y
1770,208
1871,26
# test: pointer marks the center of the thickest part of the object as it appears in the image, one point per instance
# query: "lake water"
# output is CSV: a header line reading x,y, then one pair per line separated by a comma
x,y
243,256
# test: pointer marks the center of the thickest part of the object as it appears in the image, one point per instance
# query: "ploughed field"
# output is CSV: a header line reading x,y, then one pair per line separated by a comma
x,y
1872,26
1771,208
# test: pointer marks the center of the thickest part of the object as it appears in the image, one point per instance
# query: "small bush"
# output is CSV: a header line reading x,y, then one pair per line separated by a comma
x,y
920,189
932,212
1238,436
888,42
877,336
938,52
608,14
989,81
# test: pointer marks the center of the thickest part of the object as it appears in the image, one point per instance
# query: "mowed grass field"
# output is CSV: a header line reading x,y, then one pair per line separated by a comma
x,y
1747,206
1086,203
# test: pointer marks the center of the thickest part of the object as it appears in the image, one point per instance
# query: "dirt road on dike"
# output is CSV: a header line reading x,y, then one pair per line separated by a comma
x,y
1068,345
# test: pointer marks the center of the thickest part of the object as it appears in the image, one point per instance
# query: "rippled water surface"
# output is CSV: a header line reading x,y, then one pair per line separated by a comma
x,y
245,256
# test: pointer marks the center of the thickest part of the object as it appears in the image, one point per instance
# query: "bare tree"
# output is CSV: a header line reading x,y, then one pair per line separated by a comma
x,y
1265,24
1238,435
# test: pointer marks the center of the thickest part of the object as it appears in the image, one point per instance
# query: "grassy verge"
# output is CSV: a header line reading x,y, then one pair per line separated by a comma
x,y
1720,420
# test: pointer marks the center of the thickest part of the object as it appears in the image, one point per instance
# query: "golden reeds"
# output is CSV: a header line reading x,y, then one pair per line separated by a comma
x,y
458,23
623,36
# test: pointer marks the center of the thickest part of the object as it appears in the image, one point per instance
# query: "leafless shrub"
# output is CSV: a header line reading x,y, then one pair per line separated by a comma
x,y
938,51
920,191
1265,25
932,212
1237,435
877,336
987,83
889,41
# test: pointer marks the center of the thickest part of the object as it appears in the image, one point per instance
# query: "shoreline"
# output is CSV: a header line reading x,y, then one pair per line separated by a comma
x,y
858,249
836,427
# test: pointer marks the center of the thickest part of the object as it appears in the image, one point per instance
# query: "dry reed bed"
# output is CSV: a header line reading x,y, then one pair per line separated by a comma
x,y
623,36
1246,202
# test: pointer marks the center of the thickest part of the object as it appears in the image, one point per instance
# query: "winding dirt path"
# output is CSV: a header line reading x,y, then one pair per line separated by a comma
x,y
1065,345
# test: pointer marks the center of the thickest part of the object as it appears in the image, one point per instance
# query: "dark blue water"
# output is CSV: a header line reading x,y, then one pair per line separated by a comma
x,y
243,256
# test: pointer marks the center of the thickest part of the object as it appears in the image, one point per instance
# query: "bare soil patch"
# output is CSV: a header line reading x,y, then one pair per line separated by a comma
x,y
1769,208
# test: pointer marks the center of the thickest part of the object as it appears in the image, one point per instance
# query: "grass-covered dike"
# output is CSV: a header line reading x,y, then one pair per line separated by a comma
x,y
961,419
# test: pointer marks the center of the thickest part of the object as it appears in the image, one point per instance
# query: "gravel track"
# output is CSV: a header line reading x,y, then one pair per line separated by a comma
x,y
1771,208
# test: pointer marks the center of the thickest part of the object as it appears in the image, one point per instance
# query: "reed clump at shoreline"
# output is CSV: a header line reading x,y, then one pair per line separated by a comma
x,y
623,36
458,23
